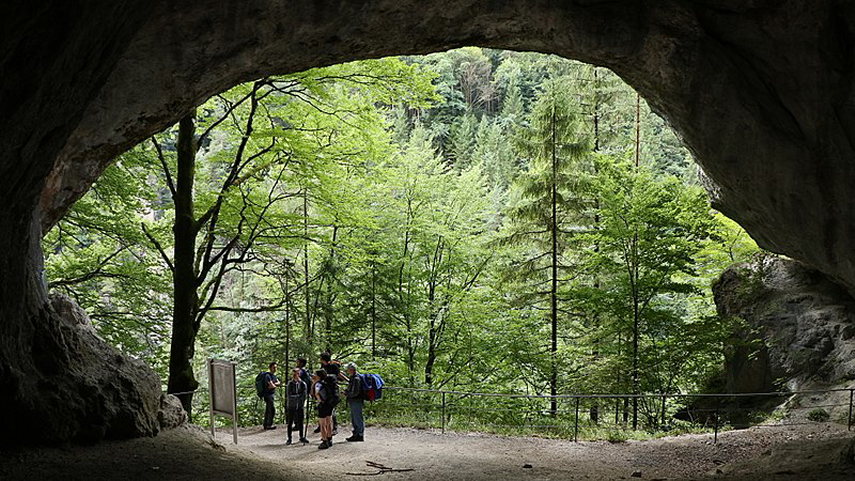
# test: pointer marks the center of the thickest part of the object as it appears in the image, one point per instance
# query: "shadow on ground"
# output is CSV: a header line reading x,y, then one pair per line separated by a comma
x,y
804,453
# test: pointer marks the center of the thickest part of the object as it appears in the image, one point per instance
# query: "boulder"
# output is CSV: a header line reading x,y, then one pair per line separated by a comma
x,y
67,309
79,388
171,414
798,326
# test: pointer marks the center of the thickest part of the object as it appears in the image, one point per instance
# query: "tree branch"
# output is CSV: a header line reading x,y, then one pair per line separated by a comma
x,y
163,164
159,248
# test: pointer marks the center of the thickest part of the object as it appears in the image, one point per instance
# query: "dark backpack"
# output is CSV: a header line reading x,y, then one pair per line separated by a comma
x,y
261,384
372,386
331,388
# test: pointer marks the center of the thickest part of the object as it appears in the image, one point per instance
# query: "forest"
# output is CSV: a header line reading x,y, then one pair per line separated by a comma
x,y
472,220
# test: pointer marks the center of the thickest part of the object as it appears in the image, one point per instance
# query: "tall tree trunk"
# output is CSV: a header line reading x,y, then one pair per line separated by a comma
x,y
186,301
431,357
595,348
309,330
373,311
330,292
637,129
435,312
636,381
287,322
405,298
553,291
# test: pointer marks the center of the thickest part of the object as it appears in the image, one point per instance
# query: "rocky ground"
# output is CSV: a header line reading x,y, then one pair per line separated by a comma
x,y
820,452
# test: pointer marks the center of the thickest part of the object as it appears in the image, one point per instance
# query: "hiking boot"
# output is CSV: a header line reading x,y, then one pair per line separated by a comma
x,y
304,440
317,430
324,445
288,442
355,439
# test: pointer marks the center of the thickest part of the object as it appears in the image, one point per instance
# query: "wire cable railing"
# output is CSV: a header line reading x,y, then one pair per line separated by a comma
x,y
609,416
580,416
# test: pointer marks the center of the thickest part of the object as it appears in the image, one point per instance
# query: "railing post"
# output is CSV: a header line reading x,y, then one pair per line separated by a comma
x,y
715,438
210,391
851,396
576,423
443,412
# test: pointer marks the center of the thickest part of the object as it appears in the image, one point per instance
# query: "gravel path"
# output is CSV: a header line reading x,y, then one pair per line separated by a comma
x,y
432,455
824,453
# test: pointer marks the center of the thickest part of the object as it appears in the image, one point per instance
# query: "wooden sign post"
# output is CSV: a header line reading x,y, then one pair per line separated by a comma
x,y
223,389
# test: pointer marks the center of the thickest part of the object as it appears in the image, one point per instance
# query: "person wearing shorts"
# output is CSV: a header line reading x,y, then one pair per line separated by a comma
x,y
325,407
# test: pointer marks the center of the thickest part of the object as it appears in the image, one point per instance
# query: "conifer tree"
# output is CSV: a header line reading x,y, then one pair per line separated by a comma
x,y
548,206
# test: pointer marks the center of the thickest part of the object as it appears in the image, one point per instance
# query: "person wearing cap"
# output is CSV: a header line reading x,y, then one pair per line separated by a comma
x,y
355,402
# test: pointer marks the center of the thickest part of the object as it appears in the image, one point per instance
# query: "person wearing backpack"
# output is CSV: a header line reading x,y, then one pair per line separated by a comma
x,y
295,391
265,385
355,402
326,392
332,368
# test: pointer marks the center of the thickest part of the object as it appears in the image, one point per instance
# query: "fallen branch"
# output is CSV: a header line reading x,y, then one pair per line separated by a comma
x,y
382,469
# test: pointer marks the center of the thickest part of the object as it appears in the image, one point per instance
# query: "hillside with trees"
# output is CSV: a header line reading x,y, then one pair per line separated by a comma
x,y
474,220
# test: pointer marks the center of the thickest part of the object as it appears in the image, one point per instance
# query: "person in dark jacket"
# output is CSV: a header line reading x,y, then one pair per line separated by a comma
x,y
306,378
296,392
355,402
271,382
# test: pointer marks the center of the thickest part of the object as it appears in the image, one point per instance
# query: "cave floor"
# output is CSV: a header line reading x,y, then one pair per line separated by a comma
x,y
821,452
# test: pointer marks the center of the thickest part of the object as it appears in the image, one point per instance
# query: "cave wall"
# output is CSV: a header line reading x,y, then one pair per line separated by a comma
x,y
760,90
797,327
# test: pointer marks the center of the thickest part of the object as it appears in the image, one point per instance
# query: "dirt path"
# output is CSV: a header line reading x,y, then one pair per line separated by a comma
x,y
789,453
494,458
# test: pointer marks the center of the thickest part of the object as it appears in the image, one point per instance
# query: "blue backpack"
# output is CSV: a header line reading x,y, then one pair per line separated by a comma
x,y
372,386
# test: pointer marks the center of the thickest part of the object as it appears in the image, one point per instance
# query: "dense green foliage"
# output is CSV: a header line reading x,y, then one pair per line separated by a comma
x,y
475,220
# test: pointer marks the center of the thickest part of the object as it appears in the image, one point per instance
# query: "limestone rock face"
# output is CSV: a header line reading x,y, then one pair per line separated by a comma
x,y
803,326
171,414
82,388
67,309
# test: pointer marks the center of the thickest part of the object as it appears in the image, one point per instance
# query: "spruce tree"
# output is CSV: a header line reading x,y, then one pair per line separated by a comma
x,y
548,204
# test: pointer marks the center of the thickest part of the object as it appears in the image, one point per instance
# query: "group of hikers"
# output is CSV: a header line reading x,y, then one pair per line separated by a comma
x,y
322,386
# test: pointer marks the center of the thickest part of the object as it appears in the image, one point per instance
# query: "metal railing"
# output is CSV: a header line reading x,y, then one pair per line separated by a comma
x,y
585,416
608,416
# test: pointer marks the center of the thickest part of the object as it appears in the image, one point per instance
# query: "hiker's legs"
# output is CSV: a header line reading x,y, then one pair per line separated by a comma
x,y
356,421
269,411
298,422
326,428
308,410
290,418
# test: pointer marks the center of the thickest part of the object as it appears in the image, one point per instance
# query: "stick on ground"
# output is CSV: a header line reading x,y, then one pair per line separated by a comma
x,y
381,469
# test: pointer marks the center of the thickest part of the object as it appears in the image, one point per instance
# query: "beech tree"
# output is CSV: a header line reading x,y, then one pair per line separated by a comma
x,y
494,228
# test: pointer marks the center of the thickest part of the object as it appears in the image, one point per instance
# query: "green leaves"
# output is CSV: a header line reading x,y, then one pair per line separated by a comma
x,y
402,212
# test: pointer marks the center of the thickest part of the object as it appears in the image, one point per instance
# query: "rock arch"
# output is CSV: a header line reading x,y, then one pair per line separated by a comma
x,y
760,90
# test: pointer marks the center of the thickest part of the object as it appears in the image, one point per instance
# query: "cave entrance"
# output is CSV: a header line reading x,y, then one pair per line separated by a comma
x,y
361,207
721,74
